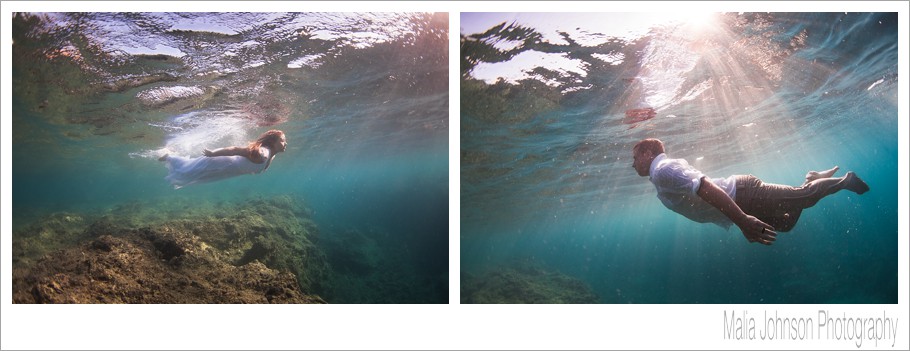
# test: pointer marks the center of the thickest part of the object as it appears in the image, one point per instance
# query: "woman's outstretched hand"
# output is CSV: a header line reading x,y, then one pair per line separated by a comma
x,y
208,153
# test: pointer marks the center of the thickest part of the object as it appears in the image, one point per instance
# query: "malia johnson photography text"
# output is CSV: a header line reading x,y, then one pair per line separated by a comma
x,y
826,326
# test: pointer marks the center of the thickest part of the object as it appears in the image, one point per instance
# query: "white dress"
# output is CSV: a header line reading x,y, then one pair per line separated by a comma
x,y
185,171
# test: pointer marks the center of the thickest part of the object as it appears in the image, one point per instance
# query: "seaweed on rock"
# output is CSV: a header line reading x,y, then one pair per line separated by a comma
x,y
261,251
524,282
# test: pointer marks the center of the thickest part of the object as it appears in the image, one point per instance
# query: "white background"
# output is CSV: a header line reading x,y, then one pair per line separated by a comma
x,y
450,326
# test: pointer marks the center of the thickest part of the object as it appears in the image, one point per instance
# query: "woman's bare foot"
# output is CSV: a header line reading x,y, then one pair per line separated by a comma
x,y
163,158
815,175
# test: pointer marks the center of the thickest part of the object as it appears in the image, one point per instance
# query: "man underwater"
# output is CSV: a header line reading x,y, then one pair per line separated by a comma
x,y
759,209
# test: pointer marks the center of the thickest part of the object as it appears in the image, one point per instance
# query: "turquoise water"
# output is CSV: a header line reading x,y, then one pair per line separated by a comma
x,y
362,98
546,155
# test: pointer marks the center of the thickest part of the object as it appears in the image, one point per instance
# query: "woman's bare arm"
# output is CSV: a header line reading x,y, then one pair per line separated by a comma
x,y
227,151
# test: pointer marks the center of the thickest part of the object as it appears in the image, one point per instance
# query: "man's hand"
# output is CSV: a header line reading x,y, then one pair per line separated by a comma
x,y
757,231
208,153
753,229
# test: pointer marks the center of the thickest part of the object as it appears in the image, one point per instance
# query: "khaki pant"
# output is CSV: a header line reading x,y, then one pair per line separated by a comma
x,y
781,205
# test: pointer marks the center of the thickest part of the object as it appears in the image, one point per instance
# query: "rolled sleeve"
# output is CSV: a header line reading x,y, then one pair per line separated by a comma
x,y
696,184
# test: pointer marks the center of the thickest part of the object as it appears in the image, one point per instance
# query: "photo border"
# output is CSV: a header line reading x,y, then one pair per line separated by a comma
x,y
451,326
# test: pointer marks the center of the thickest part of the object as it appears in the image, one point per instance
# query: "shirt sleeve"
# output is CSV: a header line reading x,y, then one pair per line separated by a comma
x,y
678,178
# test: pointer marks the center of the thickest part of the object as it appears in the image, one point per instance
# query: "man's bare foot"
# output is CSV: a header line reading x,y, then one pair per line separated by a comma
x,y
163,158
815,175
854,184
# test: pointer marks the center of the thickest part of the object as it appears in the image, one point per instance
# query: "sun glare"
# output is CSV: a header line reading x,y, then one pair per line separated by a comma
x,y
691,21
697,21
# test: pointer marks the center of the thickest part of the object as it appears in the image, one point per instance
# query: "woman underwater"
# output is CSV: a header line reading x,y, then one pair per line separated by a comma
x,y
225,162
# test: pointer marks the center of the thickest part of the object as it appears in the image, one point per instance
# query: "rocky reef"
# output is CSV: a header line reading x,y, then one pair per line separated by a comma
x,y
524,282
256,251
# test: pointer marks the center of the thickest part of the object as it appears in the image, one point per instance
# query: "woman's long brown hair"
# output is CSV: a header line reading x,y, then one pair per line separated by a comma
x,y
268,138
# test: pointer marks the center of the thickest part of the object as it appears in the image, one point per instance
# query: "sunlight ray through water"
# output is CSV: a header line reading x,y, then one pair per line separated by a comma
x,y
547,183
361,97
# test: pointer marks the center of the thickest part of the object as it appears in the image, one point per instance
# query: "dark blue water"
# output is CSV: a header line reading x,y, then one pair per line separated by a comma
x,y
362,98
546,154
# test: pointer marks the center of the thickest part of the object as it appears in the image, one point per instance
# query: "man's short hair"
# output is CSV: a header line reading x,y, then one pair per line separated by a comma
x,y
654,145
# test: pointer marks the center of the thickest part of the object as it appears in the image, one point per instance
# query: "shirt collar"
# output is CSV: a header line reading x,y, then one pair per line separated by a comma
x,y
654,163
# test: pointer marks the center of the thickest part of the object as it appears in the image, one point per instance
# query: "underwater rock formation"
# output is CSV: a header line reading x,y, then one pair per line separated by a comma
x,y
52,232
151,266
524,282
262,252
